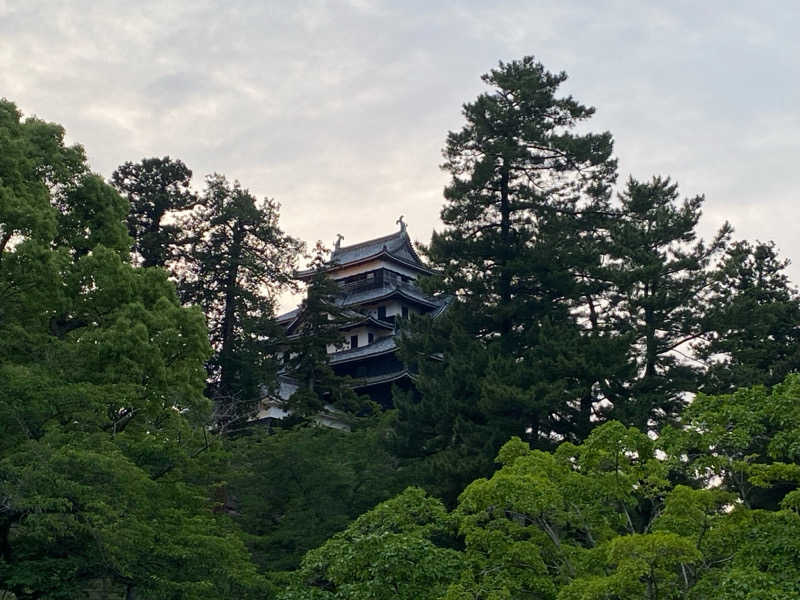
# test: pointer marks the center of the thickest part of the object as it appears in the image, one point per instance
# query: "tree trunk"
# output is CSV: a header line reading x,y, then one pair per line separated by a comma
x,y
649,333
229,315
5,545
505,242
4,242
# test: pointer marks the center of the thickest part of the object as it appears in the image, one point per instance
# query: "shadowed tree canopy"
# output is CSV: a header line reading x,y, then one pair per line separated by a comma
x,y
295,488
522,183
102,412
237,260
155,188
753,320
527,194
661,279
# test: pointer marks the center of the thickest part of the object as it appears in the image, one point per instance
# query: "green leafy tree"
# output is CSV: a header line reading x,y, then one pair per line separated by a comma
x,y
293,489
156,189
661,275
560,510
398,550
603,519
760,560
748,439
91,213
238,259
102,414
34,163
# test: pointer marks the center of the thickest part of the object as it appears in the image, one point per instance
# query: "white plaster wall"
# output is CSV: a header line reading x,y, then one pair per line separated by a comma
x,y
363,335
393,307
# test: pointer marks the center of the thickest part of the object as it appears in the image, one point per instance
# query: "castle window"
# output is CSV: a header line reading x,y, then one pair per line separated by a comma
x,y
382,313
370,338
405,312
353,341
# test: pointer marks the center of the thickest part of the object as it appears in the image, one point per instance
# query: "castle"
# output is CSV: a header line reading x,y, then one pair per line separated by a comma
x,y
377,282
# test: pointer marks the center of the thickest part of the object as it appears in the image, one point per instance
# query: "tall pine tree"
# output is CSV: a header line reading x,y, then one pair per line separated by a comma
x,y
523,185
661,278
237,261
753,320
526,196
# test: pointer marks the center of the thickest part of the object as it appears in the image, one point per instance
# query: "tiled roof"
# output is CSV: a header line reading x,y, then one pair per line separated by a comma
x,y
380,346
391,243
376,379
373,295
396,245
288,316
361,319
363,296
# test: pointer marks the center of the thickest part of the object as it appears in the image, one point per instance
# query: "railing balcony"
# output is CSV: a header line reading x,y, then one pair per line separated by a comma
x,y
381,280
360,286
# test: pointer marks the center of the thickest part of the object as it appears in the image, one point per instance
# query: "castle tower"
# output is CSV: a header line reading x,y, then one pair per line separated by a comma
x,y
378,285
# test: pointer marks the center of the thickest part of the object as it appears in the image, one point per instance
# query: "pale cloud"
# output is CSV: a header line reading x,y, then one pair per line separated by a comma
x,y
339,109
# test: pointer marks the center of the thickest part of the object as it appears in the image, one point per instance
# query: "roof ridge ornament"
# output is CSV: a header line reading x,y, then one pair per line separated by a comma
x,y
401,223
338,243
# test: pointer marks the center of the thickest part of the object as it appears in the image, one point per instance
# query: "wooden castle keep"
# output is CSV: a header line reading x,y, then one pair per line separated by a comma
x,y
377,281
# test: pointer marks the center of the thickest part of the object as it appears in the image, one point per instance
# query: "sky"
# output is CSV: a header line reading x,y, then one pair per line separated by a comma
x,y
339,109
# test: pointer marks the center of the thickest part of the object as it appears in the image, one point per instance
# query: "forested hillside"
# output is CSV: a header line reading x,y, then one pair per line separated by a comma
x,y
608,409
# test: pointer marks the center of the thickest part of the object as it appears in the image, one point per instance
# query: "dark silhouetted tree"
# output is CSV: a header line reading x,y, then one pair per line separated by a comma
x,y
753,320
662,280
317,328
237,261
527,194
156,188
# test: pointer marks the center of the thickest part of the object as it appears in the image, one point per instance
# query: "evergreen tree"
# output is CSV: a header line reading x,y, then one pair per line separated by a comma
x,y
753,320
661,278
156,188
523,185
441,433
237,260
526,199
294,488
318,328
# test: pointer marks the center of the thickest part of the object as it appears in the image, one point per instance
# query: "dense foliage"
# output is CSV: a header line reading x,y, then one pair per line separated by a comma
x,y
646,380
571,306
600,520
237,260
157,189
101,397
293,489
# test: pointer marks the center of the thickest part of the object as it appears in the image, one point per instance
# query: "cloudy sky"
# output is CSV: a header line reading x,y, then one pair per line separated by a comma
x,y
339,109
